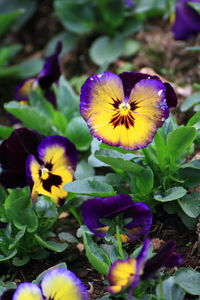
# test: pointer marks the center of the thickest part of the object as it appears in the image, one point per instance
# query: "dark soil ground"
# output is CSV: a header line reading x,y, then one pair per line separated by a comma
x,y
160,53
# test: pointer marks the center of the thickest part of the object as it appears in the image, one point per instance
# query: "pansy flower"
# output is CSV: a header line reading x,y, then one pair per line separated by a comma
x,y
101,214
14,152
128,272
187,20
52,168
126,110
48,75
57,284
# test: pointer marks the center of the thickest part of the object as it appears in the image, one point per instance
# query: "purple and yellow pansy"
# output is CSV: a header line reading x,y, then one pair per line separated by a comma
x,y
57,284
97,210
52,168
126,110
128,272
187,20
48,75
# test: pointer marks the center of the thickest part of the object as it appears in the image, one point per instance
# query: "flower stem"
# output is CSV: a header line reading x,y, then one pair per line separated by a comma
x,y
119,242
73,211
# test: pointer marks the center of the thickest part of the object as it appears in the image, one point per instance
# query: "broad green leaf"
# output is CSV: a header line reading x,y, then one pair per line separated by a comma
x,y
170,290
145,181
190,101
179,140
112,12
194,119
78,132
190,173
18,210
75,17
105,49
188,280
189,222
190,204
10,254
17,238
37,101
60,121
96,256
90,187
8,52
83,170
41,275
5,131
161,150
171,194
53,246
131,47
30,117
20,261
119,160
7,19
67,101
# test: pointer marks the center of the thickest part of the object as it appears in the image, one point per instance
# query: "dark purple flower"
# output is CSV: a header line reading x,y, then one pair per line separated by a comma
x,y
128,272
48,75
187,20
14,152
126,110
138,215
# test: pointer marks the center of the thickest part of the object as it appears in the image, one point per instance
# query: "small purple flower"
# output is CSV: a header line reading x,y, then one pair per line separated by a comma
x,y
51,168
14,152
138,215
126,110
56,284
48,75
128,3
187,20
128,272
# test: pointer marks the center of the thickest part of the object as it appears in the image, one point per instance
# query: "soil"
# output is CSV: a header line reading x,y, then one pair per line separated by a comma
x,y
160,53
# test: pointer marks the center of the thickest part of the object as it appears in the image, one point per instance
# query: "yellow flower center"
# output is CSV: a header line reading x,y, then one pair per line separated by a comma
x,y
44,173
124,108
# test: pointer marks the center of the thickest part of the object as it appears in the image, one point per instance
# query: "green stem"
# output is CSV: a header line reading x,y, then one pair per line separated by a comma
x,y
119,242
73,211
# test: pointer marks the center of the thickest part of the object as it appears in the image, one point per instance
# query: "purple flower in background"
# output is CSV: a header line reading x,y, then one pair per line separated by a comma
x,y
48,75
187,20
126,110
128,3
57,284
138,215
14,152
128,272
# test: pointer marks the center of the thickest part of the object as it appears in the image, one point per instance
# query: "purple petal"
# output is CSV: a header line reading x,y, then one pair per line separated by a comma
x,y
140,226
128,3
165,257
60,141
7,295
13,154
98,208
171,97
64,284
187,21
51,70
27,291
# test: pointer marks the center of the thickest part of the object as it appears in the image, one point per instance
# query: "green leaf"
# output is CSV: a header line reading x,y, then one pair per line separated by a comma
x,y
170,290
171,194
179,140
188,280
5,131
189,222
194,119
190,204
96,256
41,275
190,101
190,173
119,160
30,117
17,238
105,49
145,181
37,101
8,52
76,17
53,246
10,254
18,210
131,47
7,19
60,121
67,101
90,187
112,12
20,261
195,5
79,133
84,170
